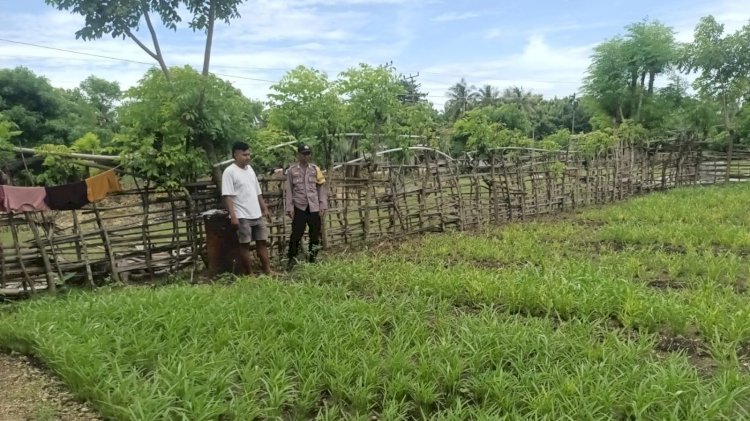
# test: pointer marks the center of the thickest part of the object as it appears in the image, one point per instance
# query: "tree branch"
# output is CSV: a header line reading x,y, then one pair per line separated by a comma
x,y
159,57
101,158
141,44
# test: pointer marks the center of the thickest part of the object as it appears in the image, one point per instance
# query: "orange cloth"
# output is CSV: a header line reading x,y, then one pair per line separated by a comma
x,y
98,186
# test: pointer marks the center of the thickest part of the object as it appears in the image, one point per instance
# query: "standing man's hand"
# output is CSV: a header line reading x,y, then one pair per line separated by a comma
x,y
268,217
322,213
290,214
235,223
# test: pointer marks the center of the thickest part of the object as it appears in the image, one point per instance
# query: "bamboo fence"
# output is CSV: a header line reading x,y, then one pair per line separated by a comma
x,y
143,233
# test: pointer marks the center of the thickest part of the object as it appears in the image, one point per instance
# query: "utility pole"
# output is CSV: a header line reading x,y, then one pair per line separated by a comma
x,y
412,96
574,102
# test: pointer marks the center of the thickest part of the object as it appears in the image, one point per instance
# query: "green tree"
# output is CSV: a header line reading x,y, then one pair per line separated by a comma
x,y
722,62
480,133
173,128
488,95
103,95
122,19
461,98
623,70
43,114
527,103
561,113
8,130
608,79
305,104
58,169
371,96
651,50
511,116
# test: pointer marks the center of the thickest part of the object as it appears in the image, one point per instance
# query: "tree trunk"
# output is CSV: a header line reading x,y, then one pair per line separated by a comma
x,y
633,91
640,97
209,36
651,77
730,150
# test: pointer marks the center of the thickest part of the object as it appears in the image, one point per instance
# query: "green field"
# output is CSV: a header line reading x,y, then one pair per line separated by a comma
x,y
632,311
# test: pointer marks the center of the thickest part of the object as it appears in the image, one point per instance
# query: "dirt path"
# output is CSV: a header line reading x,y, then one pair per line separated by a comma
x,y
29,393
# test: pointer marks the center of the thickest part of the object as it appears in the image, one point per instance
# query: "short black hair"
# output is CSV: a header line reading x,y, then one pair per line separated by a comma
x,y
239,146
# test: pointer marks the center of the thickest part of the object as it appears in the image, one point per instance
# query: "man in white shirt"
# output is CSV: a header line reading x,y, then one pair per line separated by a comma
x,y
244,201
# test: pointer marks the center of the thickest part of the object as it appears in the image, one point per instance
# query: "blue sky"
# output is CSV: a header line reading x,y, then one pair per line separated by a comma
x,y
543,46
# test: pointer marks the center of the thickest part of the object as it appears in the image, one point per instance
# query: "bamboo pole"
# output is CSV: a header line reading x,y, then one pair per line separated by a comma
x,y
107,245
368,200
3,278
191,229
42,249
84,249
104,158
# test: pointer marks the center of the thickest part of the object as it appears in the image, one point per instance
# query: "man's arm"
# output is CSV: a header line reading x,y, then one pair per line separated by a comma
x,y
228,193
322,198
263,207
229,204
288,191
320,185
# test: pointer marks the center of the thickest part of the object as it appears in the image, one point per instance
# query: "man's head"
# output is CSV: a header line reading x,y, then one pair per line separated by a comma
x,y
241,153
303,153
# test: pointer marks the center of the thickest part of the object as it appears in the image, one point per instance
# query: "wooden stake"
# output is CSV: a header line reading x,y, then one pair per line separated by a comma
x,y
84,248
28,282
43,250
107,245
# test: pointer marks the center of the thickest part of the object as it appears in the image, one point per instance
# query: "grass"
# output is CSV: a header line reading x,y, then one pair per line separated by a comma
x,y
635,311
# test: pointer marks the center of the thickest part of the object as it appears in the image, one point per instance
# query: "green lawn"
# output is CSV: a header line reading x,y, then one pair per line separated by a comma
x,y
632,311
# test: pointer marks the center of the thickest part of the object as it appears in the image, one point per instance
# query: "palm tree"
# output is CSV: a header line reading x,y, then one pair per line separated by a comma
x,y
488,95
526,102
461,99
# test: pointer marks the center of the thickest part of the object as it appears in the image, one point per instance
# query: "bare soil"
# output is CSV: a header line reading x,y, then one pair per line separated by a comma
x,y
29,392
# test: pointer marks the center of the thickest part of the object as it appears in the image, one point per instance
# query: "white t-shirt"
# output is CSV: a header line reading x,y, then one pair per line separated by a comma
x,y
243,186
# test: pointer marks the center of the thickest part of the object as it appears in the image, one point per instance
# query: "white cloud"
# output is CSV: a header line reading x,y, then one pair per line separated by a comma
x,y
331,35
732,13
539,68
454,16
271,37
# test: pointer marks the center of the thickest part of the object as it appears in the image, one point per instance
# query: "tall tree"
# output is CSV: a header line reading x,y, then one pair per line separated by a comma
x,y
488,95
722,62
122,18
372,102
43,113
526,102
103,96
623,70
651,51
608,78
461,98
172,129
305,104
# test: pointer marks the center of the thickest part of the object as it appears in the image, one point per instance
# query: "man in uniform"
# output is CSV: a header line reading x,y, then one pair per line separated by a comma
x,y
305,201
244,201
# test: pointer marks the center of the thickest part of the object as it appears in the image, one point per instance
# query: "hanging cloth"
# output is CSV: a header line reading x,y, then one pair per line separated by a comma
x,y
24,199
68,196
98,186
